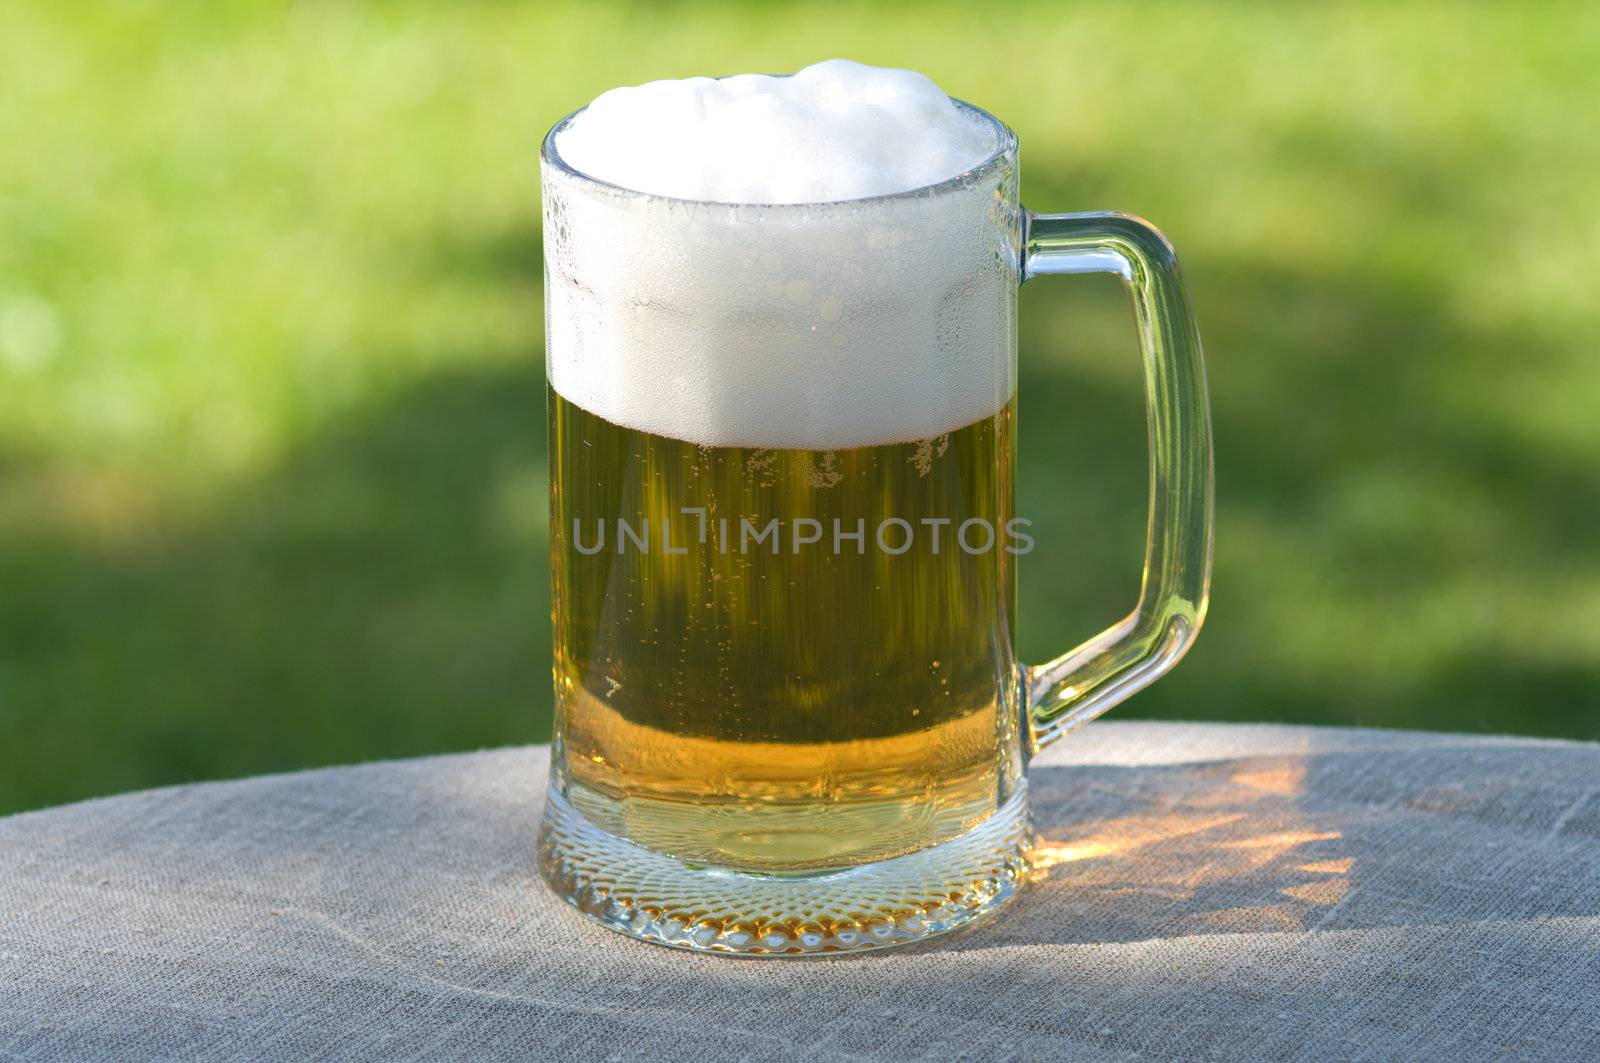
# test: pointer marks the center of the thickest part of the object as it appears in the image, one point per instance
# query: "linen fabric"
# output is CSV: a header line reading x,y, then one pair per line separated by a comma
x,y
1204,891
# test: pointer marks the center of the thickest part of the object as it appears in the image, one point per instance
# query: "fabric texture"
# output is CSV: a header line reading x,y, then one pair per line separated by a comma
x,y
1236,892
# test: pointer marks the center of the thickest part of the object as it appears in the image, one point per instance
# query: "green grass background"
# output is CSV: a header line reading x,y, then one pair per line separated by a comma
x,y
271,413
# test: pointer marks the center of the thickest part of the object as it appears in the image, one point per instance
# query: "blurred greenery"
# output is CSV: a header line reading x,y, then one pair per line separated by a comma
x,y
271,434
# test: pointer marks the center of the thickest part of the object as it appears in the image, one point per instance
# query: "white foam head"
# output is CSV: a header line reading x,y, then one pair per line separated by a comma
x,y
765,282
835,130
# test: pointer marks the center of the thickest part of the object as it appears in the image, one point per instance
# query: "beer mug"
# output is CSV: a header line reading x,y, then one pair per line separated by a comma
x,y
789,716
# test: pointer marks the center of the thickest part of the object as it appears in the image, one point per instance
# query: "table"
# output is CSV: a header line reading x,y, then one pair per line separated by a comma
x,y
1205,890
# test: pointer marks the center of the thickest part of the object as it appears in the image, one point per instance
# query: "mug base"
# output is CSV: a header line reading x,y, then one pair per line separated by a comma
x,y
658,898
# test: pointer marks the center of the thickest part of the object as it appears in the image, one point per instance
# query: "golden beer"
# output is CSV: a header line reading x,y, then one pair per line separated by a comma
x,y
782,660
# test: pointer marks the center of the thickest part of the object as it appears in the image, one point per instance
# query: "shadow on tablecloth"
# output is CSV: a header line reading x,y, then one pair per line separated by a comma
x,y
1307,842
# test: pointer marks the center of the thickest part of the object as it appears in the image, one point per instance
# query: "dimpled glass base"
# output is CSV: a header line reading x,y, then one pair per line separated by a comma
x,y
654,897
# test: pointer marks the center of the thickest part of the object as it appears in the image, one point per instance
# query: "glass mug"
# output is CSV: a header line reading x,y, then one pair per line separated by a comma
x,y
789,716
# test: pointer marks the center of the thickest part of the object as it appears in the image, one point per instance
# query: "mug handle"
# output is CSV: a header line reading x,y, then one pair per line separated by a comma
x,y
1133,653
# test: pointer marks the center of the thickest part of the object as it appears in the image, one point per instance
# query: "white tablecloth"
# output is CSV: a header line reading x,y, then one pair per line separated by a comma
x,y
1216,891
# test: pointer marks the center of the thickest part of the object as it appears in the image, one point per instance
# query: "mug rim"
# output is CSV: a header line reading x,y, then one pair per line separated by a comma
x,y
1005,148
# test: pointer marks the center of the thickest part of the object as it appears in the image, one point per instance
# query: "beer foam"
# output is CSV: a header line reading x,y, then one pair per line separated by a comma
x,y
835,130
763,284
